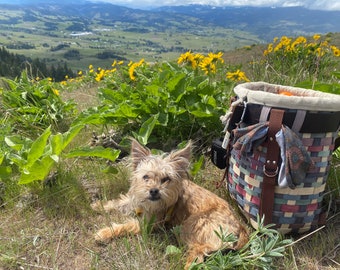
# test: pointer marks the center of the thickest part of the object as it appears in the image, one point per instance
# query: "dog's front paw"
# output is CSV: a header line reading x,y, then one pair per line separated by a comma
x,y
101,206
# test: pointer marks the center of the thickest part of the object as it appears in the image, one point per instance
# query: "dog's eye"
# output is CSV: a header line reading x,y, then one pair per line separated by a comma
x,y
146,177
165,179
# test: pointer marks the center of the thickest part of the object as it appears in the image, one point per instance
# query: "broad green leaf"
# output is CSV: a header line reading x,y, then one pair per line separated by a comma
x,y
177,83
126,110
38,147
14,142
113,96
38,171
163,119
101,152
17,159
70,134
201,114
152,90
146,129
57,143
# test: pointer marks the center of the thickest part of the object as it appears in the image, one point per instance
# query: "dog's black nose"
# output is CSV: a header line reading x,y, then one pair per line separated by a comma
x,y
154,194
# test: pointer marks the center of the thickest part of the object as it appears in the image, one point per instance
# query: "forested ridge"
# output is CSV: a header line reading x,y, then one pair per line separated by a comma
x,y
11,66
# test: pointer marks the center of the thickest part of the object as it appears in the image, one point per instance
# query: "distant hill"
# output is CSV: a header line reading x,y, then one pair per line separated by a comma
x,y
264,22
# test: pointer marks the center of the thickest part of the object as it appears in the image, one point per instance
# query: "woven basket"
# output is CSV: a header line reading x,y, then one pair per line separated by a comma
x,y
315,118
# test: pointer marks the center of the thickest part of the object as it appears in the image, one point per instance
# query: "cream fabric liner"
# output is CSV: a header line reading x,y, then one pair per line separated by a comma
x,y
302,99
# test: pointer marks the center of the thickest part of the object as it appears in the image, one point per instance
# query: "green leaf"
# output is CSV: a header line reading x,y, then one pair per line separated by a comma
x,y
110,169
14,142
172,250
5,172
146,129
38,147
163,119
101,152
69,136
56,142
38,171
201,114
197,165
126,110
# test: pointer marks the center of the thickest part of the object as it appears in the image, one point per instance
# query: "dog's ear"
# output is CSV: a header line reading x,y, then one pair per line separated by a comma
x,y
181,158
138,152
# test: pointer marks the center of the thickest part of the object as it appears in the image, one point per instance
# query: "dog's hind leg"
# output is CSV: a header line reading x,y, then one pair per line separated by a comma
x,y
115,230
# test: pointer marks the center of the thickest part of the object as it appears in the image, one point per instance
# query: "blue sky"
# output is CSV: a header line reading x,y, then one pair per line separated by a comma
x,y
312,4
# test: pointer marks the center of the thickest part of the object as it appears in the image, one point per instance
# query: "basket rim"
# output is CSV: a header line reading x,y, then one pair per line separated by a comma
x,y
303,99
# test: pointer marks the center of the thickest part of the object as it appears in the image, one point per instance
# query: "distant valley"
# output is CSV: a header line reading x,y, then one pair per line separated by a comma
x,y
86,33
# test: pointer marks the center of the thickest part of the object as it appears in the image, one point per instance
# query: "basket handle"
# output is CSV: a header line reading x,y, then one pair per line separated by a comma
x,y
271,166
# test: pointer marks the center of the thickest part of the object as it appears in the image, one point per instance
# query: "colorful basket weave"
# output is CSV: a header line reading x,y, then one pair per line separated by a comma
x,y
295,209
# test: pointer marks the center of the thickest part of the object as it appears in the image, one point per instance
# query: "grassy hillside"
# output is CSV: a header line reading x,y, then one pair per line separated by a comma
x,y
96,37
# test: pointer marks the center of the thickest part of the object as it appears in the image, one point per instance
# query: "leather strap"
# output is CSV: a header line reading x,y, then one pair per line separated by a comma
x,y
314,122
271,166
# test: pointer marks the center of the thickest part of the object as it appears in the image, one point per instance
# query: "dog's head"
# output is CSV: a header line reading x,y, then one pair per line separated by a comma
x,y
157,180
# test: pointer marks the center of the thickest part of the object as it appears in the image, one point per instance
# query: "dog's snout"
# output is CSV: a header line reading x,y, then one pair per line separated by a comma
x,y
154,194
154,191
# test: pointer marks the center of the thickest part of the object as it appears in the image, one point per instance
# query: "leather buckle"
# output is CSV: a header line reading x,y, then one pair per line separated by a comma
x,y
270,173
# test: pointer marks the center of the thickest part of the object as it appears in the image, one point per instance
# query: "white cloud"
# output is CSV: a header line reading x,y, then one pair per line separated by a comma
x,y
312,4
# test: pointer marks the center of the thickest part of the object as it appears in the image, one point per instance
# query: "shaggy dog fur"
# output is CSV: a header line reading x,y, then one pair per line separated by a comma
x,y
160,189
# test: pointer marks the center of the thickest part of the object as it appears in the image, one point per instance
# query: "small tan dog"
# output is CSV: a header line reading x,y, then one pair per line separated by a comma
x,y
160,189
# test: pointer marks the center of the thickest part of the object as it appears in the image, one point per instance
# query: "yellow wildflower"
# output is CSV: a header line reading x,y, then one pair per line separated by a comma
x,y
120,62
300,40
207,65
269,49
189,58
114,63
215,57
90,67
55,91
320,52
285,41
100,75
80,73
132,68
316,37
237,76
335,50
278,47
